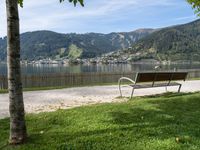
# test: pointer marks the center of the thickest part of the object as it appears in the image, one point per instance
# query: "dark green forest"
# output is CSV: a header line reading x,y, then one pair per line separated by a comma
x,y
47,44
181,42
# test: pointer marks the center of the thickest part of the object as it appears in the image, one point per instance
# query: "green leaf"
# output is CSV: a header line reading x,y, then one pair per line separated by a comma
x,y
20,2
81,2
195,5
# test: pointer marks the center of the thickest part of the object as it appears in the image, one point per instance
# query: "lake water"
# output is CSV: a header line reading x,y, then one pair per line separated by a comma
x,y
54,69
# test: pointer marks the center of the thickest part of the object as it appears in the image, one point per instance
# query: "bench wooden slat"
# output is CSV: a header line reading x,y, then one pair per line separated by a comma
x,y
179,76
140,86
160,76
145,77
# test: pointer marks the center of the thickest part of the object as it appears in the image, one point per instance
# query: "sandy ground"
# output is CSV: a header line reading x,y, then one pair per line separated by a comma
x,y
51,100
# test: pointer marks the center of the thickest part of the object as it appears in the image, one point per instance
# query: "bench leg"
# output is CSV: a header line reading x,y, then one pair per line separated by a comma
x,y
179,89
120,91
132,92
166,89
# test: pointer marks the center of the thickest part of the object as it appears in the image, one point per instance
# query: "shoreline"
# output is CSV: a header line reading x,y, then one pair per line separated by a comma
x,y
60,63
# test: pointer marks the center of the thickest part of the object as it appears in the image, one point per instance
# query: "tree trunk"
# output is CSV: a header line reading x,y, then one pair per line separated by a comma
x,y
18,132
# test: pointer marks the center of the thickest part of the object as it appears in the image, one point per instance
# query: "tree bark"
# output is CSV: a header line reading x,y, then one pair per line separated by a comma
x,y
18,133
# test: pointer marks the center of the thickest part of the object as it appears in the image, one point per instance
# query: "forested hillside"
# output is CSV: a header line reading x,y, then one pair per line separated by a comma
x,y
45,44
180,42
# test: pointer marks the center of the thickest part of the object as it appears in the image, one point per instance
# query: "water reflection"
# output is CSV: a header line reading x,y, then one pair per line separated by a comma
x,y
51,69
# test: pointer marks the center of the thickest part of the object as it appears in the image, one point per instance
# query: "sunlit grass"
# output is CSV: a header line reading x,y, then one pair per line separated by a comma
x,y
161,122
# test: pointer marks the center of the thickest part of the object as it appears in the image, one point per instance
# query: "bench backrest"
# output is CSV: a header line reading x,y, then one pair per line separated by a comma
x,y
160,76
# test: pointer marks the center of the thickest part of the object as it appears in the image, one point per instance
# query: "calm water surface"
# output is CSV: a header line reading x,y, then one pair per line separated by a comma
x,y
52,69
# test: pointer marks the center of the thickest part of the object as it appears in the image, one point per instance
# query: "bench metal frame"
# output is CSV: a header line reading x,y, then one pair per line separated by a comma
x,y
173,76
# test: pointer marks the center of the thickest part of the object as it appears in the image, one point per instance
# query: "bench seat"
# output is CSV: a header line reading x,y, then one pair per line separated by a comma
x,y
154,79
140,86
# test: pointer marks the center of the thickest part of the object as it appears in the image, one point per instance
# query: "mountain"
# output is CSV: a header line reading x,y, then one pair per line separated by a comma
x,y
176,43
43,44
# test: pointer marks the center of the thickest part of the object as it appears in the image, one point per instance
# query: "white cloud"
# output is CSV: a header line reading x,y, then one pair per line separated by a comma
x,y
50,15
185,18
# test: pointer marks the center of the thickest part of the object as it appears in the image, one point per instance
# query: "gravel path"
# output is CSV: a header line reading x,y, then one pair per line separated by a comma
x,y
51,100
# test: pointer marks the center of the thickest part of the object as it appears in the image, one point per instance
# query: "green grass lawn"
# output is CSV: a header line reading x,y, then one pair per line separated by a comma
x,y
163,122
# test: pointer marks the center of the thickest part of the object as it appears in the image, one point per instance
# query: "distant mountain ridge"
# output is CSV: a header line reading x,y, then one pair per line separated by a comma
x,y
48,44
175,43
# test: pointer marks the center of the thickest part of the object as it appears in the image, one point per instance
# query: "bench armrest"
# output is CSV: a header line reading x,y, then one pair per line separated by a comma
x,y
119,83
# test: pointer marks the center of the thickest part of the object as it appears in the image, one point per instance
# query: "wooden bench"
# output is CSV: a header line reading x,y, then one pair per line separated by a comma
x,y
154,79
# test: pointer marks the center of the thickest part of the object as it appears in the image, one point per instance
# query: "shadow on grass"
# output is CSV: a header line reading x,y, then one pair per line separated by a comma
x,y
166,115
142,124
169,116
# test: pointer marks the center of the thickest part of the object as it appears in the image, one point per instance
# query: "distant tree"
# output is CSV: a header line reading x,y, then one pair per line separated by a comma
x,y
195,5
18,132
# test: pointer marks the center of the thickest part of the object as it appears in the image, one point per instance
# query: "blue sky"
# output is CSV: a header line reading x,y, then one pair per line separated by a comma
x,y
102,16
